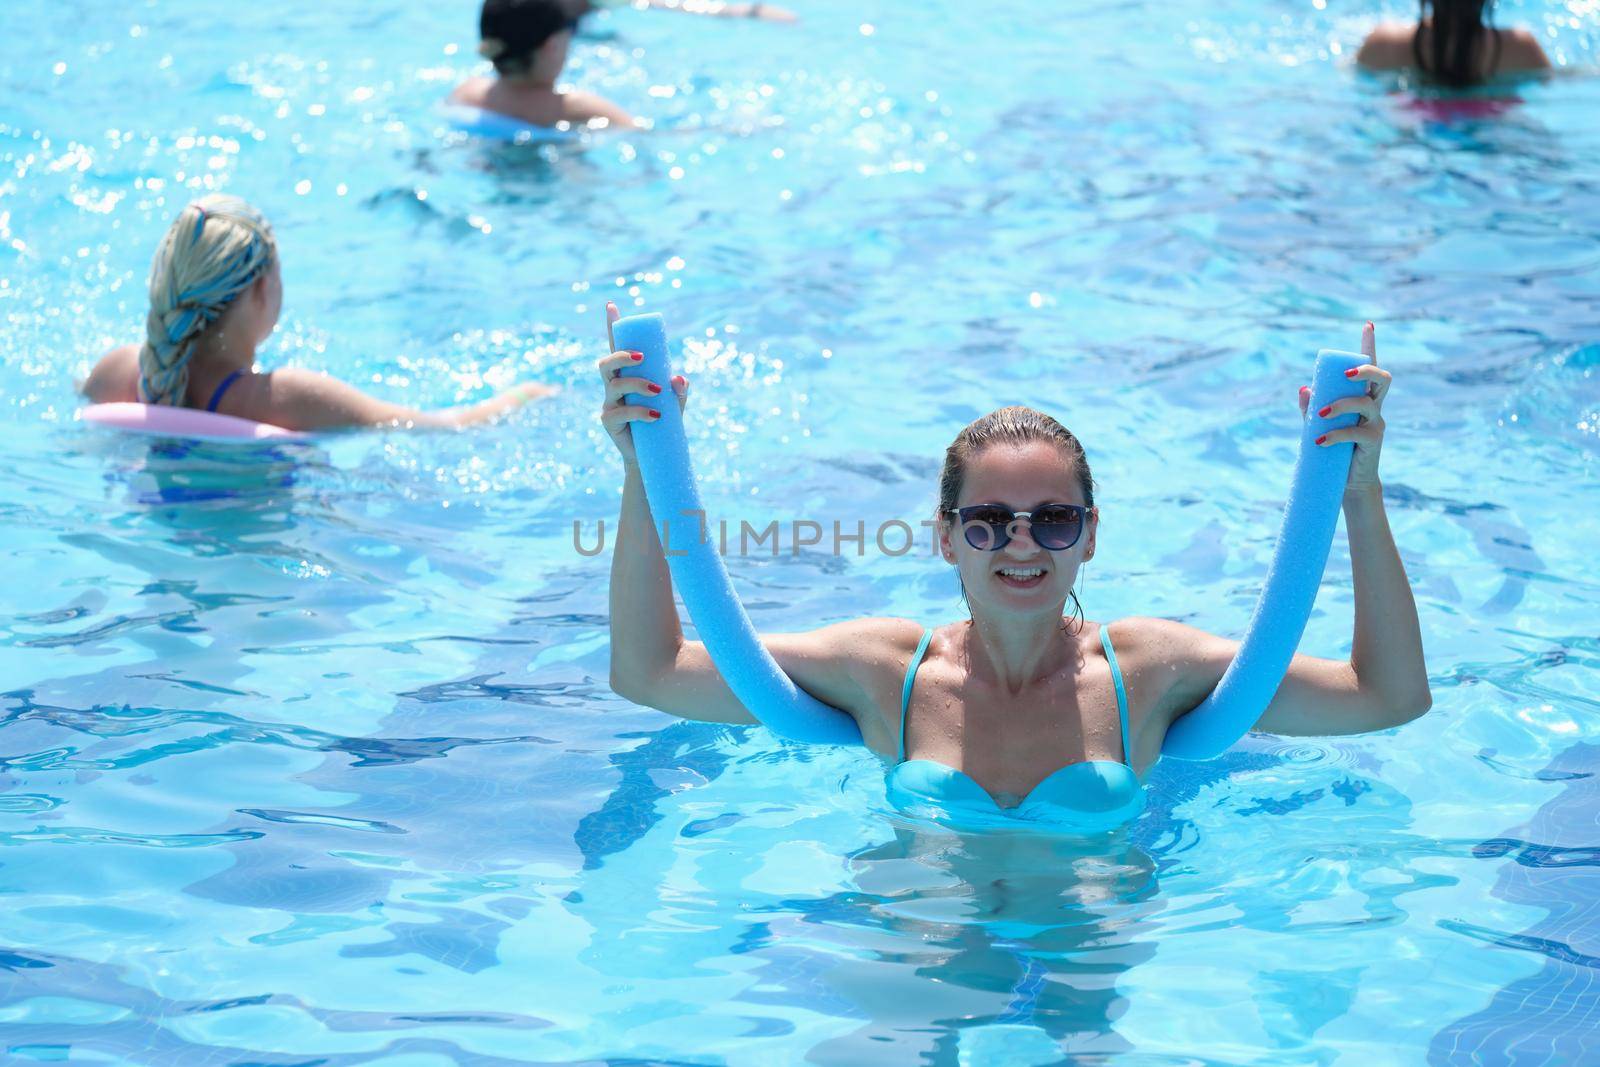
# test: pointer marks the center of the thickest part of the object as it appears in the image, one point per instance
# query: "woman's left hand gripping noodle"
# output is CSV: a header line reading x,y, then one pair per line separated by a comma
x,y
619,381
1366,434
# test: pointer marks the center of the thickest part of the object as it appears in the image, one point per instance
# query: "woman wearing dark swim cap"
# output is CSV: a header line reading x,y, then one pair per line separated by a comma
x,y
527,41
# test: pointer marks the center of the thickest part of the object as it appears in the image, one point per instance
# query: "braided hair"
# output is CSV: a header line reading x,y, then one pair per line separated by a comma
x,y
215,249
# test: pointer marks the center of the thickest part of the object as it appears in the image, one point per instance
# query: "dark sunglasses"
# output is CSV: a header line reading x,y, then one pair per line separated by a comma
x,y
1053,527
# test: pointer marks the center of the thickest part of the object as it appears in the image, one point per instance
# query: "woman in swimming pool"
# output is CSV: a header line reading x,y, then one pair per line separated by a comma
x,y
1454,43
215,293
1019,706
527,41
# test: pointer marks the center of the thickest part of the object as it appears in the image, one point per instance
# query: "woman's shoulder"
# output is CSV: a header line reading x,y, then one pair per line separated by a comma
x,y
115,378
867,657
470,93
877,639
296,398
873,651
1520,50
1145,629
1143,641
1388,46
1167,665
588,109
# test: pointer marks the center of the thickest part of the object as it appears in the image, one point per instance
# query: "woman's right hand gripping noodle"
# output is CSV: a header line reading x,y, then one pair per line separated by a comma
x,y
854,666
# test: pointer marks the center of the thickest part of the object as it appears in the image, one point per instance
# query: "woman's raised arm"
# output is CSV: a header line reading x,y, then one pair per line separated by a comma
x,y
843,665
1385,681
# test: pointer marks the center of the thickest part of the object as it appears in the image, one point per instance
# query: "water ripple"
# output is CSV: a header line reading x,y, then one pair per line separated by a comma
x,y
78,835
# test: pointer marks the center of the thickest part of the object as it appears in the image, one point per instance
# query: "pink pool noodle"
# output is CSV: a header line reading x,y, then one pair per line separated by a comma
x,y
163,421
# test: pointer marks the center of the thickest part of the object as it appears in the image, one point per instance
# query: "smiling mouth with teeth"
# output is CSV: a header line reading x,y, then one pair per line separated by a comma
x,y
1021,575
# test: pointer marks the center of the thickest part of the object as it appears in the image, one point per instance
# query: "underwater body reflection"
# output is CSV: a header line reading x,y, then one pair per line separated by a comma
x,y
748,914
1023,939
219,499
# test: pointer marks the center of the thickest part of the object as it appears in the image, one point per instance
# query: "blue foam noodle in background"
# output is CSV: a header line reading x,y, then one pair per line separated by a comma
x,y
698,572
493,126
1309,522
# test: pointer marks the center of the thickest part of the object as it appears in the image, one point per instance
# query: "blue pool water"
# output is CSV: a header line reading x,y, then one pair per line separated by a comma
x,y
308,755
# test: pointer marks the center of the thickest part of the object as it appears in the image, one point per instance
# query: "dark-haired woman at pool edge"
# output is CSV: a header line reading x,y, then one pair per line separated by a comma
x,y
1020,707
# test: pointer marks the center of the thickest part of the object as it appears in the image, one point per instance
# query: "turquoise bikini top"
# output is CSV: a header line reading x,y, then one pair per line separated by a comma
x,y
1089,797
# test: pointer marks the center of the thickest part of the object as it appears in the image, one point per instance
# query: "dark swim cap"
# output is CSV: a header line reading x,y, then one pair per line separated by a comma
x,y
513,30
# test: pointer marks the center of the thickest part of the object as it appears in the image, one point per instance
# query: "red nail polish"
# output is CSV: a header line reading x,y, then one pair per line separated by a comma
x,y
1324,412
1352,372
1321,439
637,356
655,414
654,388
1371,327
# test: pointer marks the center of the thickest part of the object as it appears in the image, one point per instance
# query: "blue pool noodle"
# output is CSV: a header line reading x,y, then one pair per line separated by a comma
x,y
1309,521
493,126
697,570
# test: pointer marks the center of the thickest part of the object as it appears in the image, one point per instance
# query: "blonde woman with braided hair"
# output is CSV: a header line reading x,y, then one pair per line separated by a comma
x,y
215,294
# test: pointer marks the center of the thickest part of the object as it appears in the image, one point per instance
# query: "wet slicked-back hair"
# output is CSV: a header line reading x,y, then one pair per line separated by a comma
x,y
1008,426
